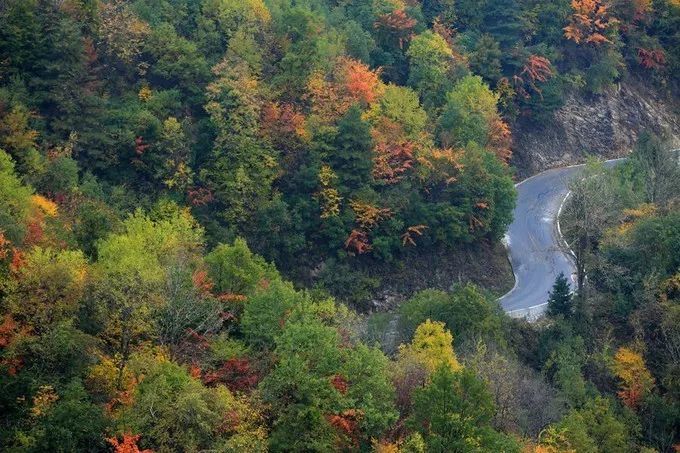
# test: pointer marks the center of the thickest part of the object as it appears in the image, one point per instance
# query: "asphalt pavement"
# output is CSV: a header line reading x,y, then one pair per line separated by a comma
x,y
536,249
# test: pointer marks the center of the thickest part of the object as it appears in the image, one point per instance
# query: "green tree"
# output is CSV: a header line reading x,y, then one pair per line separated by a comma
x,y
243,167
595,428
467,113
71,423
14,202
430,59
175,412
352,157
559,299
453,413
235,269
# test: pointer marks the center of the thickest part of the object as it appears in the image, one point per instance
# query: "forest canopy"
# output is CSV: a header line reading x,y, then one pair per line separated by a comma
x,y
190,190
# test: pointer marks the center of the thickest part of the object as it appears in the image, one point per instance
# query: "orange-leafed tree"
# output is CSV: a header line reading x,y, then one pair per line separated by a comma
x,y
358,81
283,125
636,380
350,82
357,242
589,22
536,69
127,445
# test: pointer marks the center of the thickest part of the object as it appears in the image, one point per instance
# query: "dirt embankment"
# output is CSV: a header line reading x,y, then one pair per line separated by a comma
x,y
606,125
484,264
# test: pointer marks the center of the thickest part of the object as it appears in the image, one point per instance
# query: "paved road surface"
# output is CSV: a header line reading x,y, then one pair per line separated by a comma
x,y
536,249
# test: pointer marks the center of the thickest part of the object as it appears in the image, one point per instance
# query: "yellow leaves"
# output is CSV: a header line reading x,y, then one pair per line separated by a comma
x,y
367,215
588,22
642,211
551,440
145,93
329,197
43,400
383,446
432,346
327,176
15,133
46,207
5,246
630,217
440,165
636,380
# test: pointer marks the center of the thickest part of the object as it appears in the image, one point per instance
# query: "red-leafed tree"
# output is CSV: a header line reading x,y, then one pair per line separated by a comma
x,y
397,25
357,242
651,58
237,374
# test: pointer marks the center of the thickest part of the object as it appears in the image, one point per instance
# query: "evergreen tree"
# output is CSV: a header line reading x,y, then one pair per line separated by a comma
x,y
560,299
352,160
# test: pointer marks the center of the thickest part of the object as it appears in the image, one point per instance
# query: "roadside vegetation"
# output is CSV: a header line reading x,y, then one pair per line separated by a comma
x,y
200,199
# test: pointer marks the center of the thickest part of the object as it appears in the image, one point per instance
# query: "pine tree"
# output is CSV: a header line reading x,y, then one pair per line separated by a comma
x,y
352,160
560,299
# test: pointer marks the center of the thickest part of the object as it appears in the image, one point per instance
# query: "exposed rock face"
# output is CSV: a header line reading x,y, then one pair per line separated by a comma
x,y
605,125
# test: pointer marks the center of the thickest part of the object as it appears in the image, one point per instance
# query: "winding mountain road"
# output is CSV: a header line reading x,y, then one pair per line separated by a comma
x,y
536,249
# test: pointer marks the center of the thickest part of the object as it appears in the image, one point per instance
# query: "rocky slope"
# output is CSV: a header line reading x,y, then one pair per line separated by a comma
x,y
605,125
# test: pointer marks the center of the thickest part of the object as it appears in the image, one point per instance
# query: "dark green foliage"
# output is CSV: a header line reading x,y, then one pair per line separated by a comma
x,y
560,298
138,138
352,157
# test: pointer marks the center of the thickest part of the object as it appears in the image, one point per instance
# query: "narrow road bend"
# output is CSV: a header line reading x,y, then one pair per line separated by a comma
x,y
537,251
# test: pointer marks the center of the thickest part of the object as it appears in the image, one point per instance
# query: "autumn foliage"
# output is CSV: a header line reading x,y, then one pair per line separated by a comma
x,y
636,380
589,22
128,444
651,58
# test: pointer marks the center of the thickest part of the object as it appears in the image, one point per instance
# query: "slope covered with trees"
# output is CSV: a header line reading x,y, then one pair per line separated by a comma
x,y
167,167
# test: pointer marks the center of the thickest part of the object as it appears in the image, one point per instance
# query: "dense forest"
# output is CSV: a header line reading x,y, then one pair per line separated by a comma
x,y
191,192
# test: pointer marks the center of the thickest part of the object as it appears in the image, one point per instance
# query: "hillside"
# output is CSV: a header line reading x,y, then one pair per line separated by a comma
x,y
276,225
606,125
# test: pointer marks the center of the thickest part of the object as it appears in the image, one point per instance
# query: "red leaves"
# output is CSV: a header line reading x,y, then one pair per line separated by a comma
x,y
357,242
18,260
8,329
199,196
283,125
202,282
397,21
652,58
397,24
140,146
537,68
392,161
237,374
500,139
347,423
340,383
127,445
358,80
